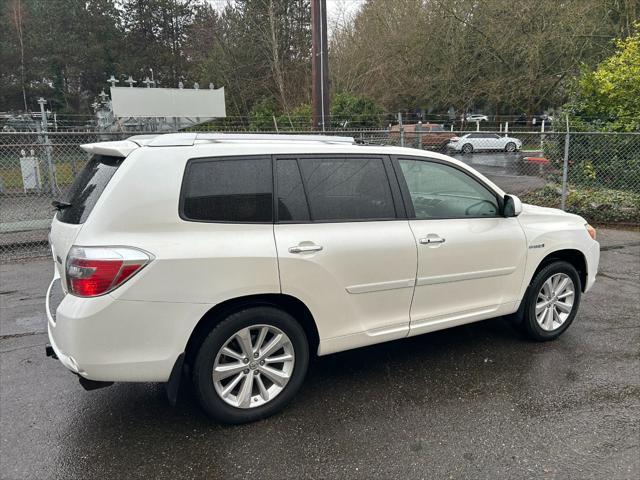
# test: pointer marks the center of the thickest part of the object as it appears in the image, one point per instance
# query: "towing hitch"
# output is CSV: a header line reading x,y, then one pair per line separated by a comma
x,y
50,352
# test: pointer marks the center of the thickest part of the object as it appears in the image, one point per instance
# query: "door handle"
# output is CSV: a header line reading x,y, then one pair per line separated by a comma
x,y
430,240
305,248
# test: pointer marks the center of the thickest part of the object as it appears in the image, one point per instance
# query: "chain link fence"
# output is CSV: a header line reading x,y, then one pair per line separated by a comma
x,y
596,175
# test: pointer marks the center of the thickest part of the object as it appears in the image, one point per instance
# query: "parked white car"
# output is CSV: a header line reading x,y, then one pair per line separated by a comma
x,y
476,117
472,142
227,260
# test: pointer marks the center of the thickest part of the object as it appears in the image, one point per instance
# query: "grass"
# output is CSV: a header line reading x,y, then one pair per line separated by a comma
x,y
11,176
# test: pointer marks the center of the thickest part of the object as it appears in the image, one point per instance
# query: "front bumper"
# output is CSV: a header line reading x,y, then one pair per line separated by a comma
x,y
111,340
593,261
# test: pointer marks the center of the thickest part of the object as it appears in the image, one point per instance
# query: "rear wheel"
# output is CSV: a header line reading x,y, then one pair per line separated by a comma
x,y
552,301
467,148
250,365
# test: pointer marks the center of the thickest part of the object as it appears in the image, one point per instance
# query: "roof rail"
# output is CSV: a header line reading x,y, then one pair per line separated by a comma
x,y
188,139
271,137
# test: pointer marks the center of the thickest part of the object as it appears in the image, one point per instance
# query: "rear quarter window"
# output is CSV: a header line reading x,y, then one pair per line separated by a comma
x,y
238,189
87,188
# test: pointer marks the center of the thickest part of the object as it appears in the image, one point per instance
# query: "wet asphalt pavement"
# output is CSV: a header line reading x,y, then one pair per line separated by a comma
x,y
508,170
476,401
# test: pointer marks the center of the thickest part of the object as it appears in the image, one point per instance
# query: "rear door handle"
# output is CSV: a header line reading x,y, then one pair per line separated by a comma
x,y
305,248
430,240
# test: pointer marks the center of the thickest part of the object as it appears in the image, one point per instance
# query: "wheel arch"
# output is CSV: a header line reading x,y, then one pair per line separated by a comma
x,y
295,307
569,255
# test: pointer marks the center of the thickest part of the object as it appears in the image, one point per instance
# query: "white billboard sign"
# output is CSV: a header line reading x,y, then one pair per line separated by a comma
x,y
167,102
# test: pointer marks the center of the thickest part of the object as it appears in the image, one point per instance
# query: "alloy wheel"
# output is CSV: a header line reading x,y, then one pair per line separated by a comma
x,y
253,366
554,302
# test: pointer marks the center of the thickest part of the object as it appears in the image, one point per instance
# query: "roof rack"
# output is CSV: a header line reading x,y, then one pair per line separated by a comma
x,y
188,139
271,137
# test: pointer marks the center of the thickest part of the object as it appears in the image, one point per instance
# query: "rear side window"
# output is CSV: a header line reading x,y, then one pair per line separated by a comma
x,y
228,190
87,188
347,189
292,203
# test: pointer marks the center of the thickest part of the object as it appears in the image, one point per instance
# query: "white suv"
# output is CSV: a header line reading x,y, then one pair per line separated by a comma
x,y
227,260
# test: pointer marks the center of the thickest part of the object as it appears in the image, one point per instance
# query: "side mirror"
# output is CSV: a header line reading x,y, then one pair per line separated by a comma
x,y
512,206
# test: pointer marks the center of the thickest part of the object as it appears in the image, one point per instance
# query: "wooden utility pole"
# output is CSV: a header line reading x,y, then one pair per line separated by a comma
x,y
319,66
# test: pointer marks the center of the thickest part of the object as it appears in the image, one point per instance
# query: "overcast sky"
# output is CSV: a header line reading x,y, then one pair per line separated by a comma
x,y
337,10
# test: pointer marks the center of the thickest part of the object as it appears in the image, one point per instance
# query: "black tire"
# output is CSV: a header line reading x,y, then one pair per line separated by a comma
x,y
467,148
510,147
204,389
528,323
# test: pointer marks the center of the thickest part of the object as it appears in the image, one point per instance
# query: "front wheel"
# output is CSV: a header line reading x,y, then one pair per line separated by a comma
x,y
510,147
552,301
467,148
250,365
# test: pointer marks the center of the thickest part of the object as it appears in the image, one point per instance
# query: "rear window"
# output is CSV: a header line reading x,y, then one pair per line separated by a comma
x,y
87,188
228,190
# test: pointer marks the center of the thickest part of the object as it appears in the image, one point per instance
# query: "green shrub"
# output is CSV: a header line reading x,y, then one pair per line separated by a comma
x,y
595,204
262,113
599,159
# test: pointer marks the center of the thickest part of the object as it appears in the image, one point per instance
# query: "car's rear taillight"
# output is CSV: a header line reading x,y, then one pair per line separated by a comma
x,y
94,271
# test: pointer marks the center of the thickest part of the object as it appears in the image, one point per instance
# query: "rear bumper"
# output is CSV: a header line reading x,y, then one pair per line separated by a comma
x,y
111,340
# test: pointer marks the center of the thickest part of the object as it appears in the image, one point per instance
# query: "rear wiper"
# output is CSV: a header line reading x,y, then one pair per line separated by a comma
x,y
58,205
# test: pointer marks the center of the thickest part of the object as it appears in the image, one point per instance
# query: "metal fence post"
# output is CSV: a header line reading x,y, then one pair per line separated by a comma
x,y
565,167
401,129
47,149
419,135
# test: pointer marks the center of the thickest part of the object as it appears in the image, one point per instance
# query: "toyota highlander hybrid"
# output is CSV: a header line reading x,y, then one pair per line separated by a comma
x,y
227,260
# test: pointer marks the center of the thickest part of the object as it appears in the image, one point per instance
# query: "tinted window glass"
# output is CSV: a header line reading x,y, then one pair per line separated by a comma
x,y
87,188
347,189
292,203
229,190
440,191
